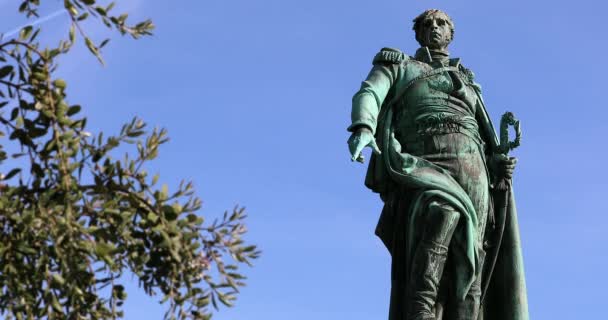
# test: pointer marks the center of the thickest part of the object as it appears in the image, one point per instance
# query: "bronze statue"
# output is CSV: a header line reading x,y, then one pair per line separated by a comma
x,y
449,218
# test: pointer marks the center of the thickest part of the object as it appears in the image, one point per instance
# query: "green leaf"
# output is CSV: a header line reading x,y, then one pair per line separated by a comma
x,y
73,110
33,37
58,279
72,33
164,192
225,299
152,217
25,32
83,16
12,173
170,213
39,76
103,43
55,304
101,11
60,83
91,46
14,113
5,71
104,250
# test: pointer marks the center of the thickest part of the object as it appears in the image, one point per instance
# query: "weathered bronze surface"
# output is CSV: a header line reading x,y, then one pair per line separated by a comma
x,y
449,218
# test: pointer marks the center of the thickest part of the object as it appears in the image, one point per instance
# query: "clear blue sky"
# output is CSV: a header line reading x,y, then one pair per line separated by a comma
x,y
256,96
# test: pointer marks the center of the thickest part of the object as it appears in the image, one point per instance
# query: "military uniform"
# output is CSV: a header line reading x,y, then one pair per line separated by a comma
x,y
428,117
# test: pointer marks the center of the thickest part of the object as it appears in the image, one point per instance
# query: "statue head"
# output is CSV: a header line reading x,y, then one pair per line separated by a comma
x,y
434,29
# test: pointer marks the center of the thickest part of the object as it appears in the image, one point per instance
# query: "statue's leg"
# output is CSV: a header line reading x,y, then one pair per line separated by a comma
x,y
469,308
439,223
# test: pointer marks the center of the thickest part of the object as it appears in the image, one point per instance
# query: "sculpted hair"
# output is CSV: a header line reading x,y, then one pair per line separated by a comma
x,y
418,23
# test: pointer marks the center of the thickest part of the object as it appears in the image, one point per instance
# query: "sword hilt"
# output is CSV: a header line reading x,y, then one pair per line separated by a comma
x,y
508,119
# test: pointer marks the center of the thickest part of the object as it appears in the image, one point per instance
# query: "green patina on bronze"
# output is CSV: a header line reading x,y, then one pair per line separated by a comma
x,y
449,218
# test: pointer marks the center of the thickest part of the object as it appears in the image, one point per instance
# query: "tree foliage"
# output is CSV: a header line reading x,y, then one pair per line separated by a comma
x,y
75,217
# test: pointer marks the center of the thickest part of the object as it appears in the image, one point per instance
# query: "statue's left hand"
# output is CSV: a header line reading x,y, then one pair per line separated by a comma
x,y
503,165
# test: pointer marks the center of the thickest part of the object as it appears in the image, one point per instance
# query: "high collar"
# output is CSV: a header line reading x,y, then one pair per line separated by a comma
x,y
424,54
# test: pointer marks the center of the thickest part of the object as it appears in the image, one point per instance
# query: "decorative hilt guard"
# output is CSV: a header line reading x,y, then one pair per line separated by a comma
x,y
508,119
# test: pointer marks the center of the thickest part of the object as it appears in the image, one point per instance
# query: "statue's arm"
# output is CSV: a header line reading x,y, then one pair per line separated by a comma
x,y
368,100
499,164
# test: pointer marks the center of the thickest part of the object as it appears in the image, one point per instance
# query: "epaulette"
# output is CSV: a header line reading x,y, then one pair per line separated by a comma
x,y
390,55
470,77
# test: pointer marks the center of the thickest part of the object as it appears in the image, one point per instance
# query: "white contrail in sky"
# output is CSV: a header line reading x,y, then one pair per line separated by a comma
x,y
44,19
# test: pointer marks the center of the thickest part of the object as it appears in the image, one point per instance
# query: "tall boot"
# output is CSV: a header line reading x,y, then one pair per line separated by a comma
x,y
469,309
429,260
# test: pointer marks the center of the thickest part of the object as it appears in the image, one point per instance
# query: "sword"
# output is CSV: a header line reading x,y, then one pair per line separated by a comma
x,y
503,190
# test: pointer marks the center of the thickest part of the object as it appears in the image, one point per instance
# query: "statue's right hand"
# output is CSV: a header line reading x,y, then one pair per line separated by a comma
x,y
360,139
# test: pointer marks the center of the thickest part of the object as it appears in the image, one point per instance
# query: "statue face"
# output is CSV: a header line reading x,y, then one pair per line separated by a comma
x,y
436,32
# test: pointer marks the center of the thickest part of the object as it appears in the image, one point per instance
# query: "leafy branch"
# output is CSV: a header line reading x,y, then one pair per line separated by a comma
x,y
74,219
